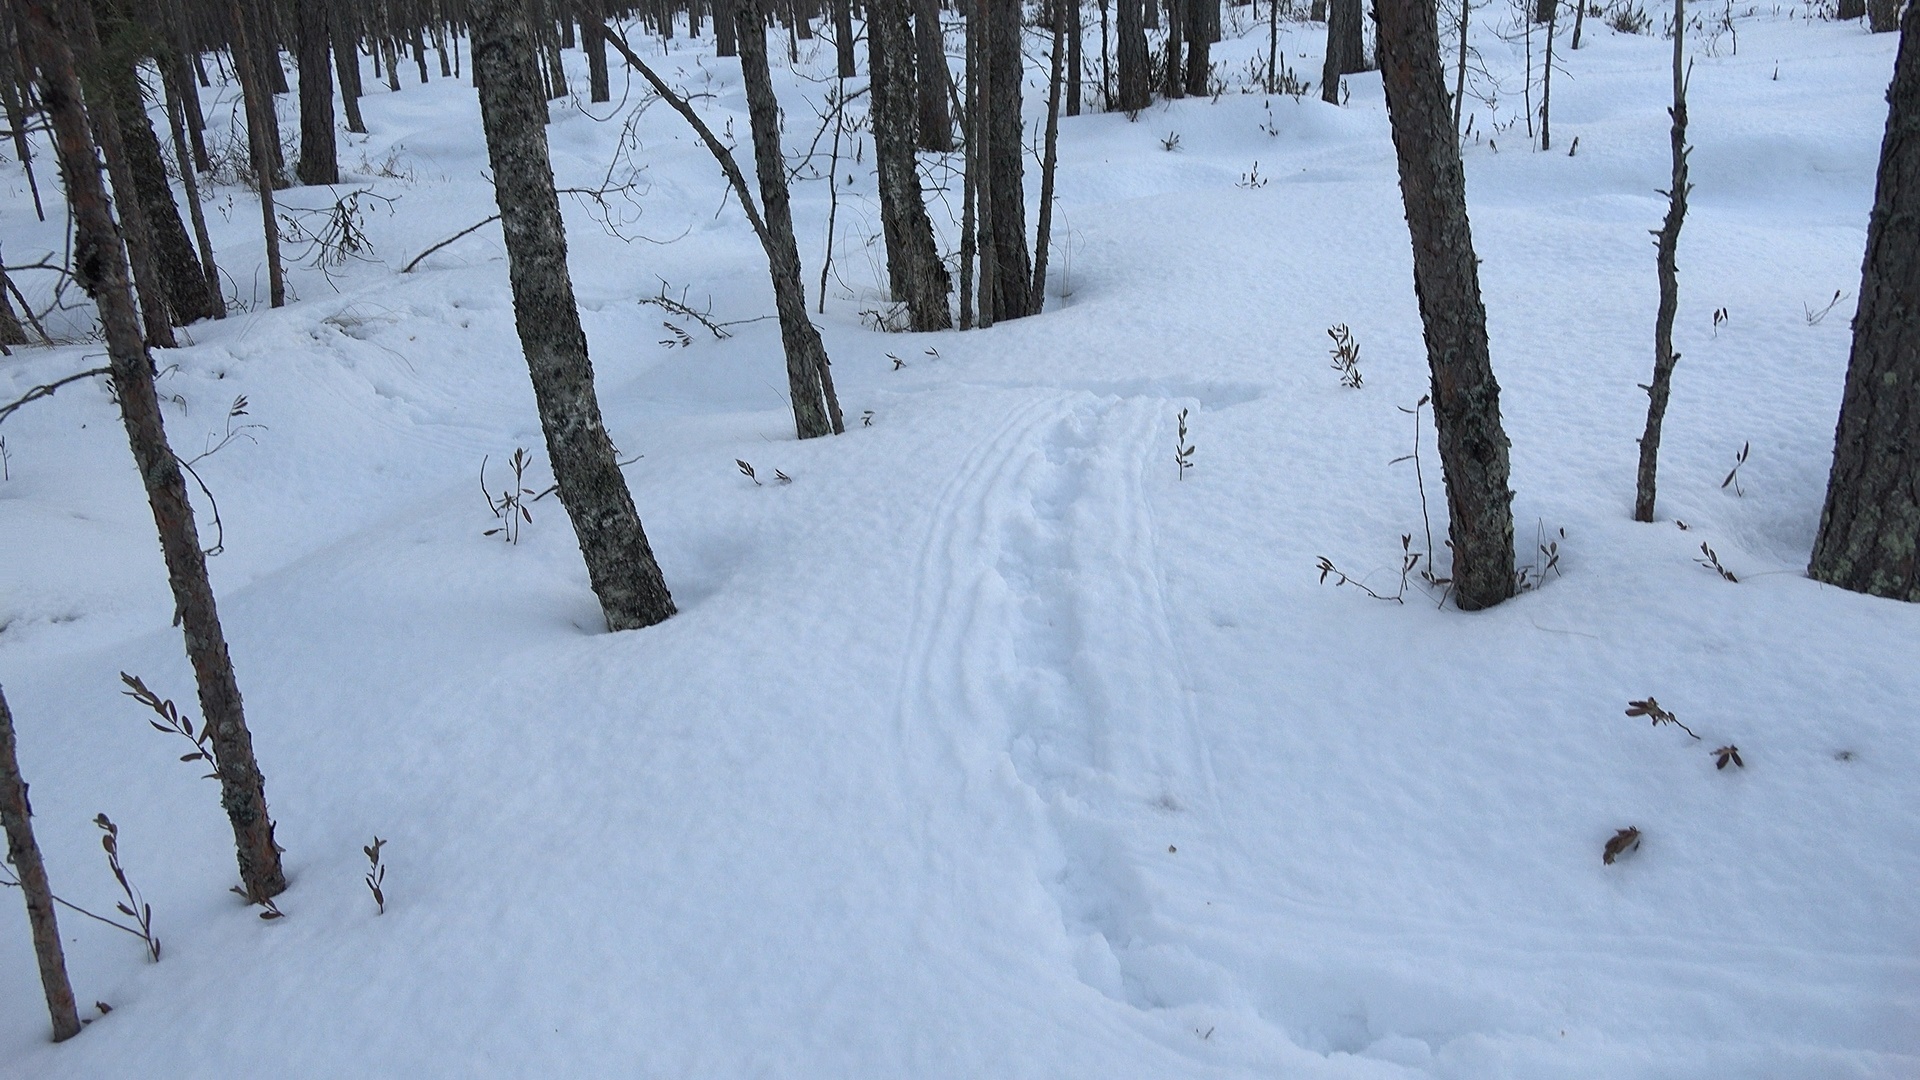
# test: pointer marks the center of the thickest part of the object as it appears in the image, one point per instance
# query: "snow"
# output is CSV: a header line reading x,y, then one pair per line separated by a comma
x,y
990,745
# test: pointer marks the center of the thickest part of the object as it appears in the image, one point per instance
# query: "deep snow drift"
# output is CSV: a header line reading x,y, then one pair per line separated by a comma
x,y
990,746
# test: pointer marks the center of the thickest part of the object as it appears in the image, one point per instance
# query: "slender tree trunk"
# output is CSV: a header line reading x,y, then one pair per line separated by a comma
x,y
593,36
319,159
913,261
24,855
102,271
970,178
1106,61
1173,72
346,62
1346,48
419,50
1579,21
258,103
980,159
1666,246
11,332
1203,29
726,42
1466,397
1460,68
1869,538
931,86
1273,46
12,80
1546,77
619,560
1135,91
1043,237
843,37
1074,59
191,182
1006,160
816,410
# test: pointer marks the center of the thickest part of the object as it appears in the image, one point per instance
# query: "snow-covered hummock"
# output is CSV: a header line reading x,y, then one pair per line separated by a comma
x,y
990,746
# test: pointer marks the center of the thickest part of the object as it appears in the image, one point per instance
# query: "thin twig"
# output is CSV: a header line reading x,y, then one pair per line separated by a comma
x,y
48,389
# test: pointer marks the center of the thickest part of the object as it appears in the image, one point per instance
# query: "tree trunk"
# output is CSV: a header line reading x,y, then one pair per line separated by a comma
x,y
1173,72
1546,78
1043,236
1883,15
912,258
258,105
1579,22
24,855
619,560
101,270
593,36
1466,397
319,160
843,37
1006,160
931,86
970,171
1203,29
816,409
1666,246
176,121
726,42
980,158
1869,538
1074,60
1135,91
346,62
1346,48
1848,10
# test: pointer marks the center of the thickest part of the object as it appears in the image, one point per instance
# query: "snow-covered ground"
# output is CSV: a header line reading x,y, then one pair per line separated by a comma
x,y
991,746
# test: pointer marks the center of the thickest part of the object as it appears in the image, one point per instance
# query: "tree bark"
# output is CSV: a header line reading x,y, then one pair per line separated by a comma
x,y
1043,236
346,61
1666,246
262,140
1883,16
1466,397
933,79
593,36
1346,48
1869,538
24,855
843,37
319,159
1075,74
816,409
913,260
726,42
101,270
1006,160
1203,29
1135,90
620,562
1173,72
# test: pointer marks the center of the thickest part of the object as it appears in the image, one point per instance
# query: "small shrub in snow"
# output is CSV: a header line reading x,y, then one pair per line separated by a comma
x,y
1711,561
1733,478
746,470
1726,754
1650,708
172,721
376,874
1171,142
1183,450
134,906
1629,18
1409,559
510,506
1346,356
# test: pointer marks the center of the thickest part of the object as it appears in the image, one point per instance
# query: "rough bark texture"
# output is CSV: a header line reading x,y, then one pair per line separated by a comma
x,y
1203,29
1870,527
843,37
1466,398
593,36
1346,47
1173,72
1135,89
1074,60
726,41
912,258
101,270
1847,10
1883,15
24,855
319,159
816,410
1006,200
931,86
619,560
1666,246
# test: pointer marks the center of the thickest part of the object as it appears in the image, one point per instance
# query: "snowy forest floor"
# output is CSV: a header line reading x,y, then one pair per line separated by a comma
x,y
991,746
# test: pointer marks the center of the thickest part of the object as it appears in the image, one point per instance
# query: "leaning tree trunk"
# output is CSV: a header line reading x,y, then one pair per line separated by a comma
x,y
1006,159
1869,537
346,62
931,86
1135,90
319,159
1346,47
619,560
1446,277
816,409
24,856
101,270
912,257
1666,247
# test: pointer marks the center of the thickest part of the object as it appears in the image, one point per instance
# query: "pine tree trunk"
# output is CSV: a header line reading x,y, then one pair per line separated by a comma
x,y
1043,236
1173,72
933,79
843,37
1346,48
1203,29
593,35
1135,90
920,277
1006,160
319,159
346,61
816,410
1075,74
1466,397
619,560
1666,246
23,853
258,106
1883,16
1869,538
176,121
726,40
101,270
